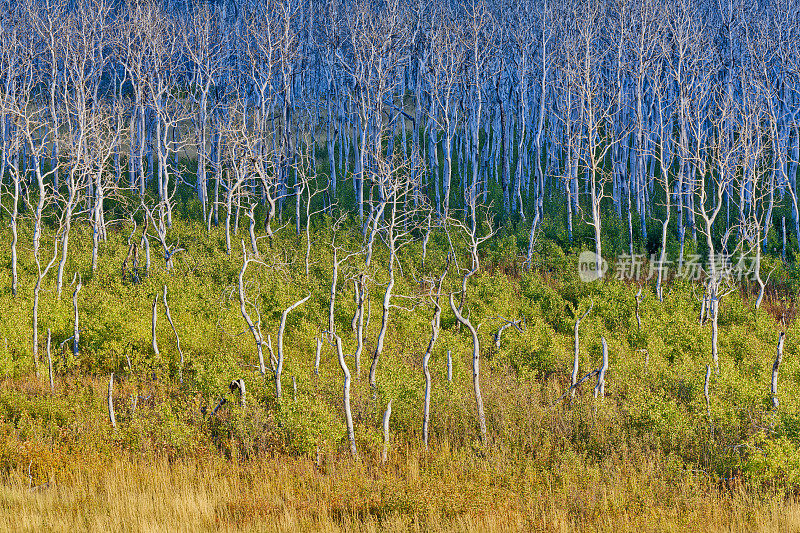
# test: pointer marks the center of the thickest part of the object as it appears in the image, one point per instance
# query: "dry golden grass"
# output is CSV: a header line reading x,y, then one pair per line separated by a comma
x,y
417,491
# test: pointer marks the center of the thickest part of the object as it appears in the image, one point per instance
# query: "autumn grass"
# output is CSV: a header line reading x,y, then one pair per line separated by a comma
x,y
416,491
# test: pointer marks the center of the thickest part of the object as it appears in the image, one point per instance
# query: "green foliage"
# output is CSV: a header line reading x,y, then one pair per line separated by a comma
x,y
654,385
773,460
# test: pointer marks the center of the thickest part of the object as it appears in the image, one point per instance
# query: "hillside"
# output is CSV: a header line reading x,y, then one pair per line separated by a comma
x,y
651,454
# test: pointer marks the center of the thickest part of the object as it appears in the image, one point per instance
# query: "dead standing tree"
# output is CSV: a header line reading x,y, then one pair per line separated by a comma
x,y
281,329
433,297
340,258
254,327
394,220
575,364
42,273
476,366
351,436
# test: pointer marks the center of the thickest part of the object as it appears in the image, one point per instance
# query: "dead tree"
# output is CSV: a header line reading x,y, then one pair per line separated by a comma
x,y
705,391
348,415
600,388
154,342
161,226
395,220
357,323
518,325
175,331
575,363
76,331
50,362
237,386
775,366
449,367
317,355
36,290
435,325
715,291
281,328
476,368
360,294
386,415
111,401
254,327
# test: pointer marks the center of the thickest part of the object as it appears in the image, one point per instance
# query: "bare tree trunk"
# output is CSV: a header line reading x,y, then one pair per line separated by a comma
x,y
775,366
783,230
476,369
36,290
255,329
386,415
638,304
360,289
449,367
705,391
387,298
154,343
50,363
435,325
317,356
76,330
714,324
600,388
175,331
281,328
111,401
346,397
334,279
575,363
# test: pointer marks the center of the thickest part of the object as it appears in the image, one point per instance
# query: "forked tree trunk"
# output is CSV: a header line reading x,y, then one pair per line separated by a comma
x,y
281,329
255,329
175,331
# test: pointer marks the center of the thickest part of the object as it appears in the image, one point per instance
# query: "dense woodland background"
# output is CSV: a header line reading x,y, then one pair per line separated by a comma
x,y
249,240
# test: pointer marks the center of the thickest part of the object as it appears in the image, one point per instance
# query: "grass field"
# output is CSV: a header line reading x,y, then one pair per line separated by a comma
x,y
438,491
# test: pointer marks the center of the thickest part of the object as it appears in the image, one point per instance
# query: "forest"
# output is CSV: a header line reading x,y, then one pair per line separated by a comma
x,y
383,264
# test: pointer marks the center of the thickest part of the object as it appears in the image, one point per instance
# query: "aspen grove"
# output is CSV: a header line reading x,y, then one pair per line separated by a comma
x,y
357,232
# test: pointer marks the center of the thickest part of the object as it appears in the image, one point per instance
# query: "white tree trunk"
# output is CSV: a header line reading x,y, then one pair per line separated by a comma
x,y
476,369
281,329
775,366
386,415
600,388
351,436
